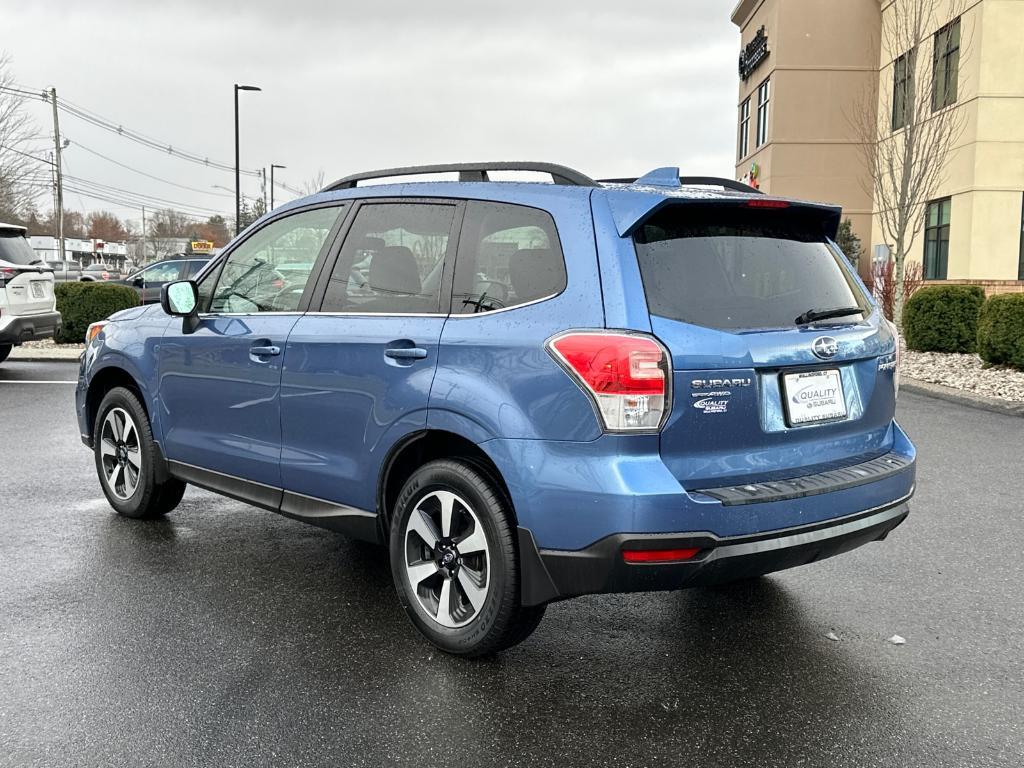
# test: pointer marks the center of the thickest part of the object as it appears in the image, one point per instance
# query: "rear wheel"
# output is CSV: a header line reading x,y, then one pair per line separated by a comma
x,y
126,459
454,561
5,350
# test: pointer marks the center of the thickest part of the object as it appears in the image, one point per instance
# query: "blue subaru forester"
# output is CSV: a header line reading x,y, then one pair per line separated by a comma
x,y
528,391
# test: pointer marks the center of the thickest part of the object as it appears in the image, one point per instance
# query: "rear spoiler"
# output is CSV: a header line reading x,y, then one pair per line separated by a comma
x,y
631,208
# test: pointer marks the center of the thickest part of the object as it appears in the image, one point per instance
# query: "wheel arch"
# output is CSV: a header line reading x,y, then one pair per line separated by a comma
x,y
103,381
415,451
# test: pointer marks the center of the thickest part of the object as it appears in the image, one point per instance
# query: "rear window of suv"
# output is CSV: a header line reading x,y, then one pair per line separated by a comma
x,y
14,249
735,268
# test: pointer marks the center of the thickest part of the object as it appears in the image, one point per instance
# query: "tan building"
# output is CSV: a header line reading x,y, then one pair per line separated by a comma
x,y
807,65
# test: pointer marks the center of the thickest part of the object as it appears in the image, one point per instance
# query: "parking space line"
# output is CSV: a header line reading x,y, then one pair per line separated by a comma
x,y
35,381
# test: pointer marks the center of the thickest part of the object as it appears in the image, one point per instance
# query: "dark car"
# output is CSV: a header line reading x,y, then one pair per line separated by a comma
x,y
65,271
100,272
529,391
148,280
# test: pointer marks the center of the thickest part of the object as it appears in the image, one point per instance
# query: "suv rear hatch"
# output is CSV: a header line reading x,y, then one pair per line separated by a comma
x,y
762,390
26,283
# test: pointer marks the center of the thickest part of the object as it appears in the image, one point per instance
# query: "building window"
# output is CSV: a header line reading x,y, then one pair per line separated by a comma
x,y
1020,258
936,239
744,144
763,93
902,71
945,65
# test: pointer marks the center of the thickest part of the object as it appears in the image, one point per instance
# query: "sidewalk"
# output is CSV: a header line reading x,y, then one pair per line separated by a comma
x,y
33,351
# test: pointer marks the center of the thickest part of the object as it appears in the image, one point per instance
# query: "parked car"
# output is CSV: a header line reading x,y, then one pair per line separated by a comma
x,y
148,280
65,271
540,391
100,272
28,308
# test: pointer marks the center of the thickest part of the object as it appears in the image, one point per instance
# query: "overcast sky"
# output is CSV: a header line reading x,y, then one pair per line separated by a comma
x,y
610,88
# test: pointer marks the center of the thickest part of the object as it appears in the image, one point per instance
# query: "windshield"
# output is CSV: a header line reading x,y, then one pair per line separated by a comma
x,y
14,248
735,268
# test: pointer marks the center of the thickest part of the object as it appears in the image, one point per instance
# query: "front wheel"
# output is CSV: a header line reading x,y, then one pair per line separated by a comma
x,y
126,458
454,561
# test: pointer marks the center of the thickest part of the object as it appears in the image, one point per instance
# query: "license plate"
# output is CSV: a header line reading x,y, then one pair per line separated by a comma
x,y
814,396
38,289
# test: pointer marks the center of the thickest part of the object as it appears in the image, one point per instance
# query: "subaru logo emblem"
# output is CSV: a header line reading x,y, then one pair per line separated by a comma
x,y
825,347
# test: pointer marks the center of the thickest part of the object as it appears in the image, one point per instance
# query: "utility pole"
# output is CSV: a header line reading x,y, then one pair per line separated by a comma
x,y
143,261
263,171
60,175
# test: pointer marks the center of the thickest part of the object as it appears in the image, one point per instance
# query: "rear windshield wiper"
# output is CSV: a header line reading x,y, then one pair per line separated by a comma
x,y
825,314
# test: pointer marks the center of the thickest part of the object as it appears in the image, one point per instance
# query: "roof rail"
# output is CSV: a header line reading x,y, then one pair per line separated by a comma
x,y
699,181
469,172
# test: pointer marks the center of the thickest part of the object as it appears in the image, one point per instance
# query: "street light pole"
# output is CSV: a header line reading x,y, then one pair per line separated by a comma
x,y
272,167
238,184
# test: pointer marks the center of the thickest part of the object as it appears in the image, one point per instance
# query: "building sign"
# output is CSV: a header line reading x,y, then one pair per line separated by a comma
x,y
200,246
753,54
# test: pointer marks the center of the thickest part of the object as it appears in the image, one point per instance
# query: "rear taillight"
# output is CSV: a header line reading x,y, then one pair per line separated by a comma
x,y
896,354
6,275
627,375
106,275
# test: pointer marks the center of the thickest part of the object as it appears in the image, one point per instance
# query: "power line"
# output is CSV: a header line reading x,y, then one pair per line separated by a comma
x,y
105,123
79,145
147,199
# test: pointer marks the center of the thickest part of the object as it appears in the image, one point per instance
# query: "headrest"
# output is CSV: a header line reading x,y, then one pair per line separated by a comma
x,y
533,273
393,270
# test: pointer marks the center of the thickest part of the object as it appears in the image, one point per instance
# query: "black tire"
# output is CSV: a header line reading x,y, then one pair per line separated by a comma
x,y
501,621
146,498
5,350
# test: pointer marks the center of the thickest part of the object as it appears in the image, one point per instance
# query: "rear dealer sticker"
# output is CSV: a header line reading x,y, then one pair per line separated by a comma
x,y
715,401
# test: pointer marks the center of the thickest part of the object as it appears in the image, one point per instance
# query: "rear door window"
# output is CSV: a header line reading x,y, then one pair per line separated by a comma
x,y
392,260
735,268
508,255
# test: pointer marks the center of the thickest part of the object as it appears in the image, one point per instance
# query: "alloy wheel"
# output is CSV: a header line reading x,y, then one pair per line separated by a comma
x,y
447,560
120,453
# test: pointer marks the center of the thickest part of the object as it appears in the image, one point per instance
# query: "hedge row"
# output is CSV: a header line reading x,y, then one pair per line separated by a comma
x,y
943,318
958,318
81,304
1001,330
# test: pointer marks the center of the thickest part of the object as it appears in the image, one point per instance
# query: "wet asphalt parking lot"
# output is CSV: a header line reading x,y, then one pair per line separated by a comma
x,y
228,636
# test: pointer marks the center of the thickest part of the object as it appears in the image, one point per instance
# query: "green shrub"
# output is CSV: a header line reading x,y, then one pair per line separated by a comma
x,y
943,318
80,304
1001,330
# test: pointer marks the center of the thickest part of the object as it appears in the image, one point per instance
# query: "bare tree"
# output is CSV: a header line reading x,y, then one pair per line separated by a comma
x,y
907,133
167,229
21,173
315,183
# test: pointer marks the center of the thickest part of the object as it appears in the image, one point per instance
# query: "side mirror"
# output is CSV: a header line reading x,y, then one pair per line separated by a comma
x,y
181,299
138,282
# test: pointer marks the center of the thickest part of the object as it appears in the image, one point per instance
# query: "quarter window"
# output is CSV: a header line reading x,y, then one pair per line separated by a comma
x,y
945,65
392,260
508,255
763,95
936,239
268,272
744,142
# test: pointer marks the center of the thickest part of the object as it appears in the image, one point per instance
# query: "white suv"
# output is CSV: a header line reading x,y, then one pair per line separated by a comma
x,y
28,308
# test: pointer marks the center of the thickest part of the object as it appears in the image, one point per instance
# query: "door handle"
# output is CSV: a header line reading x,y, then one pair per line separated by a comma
x,y
406,353
264,351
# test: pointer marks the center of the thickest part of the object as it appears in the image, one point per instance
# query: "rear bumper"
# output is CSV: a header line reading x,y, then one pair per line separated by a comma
x,y
549,575
14,329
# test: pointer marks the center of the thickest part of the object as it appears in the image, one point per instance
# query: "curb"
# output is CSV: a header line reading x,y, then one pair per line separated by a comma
x,y
962,397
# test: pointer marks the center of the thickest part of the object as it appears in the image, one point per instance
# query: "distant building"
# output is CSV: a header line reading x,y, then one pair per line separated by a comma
x,y
85,252
803,66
